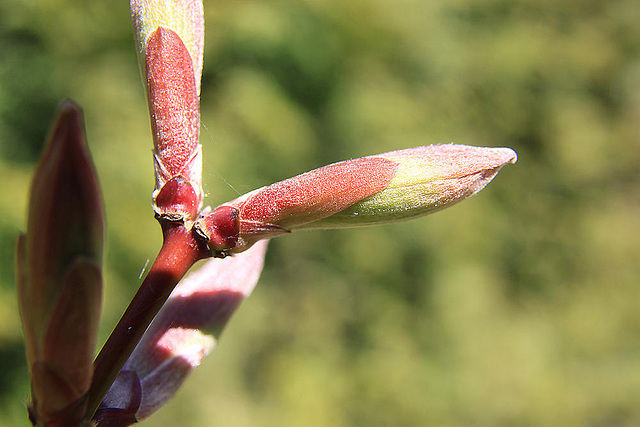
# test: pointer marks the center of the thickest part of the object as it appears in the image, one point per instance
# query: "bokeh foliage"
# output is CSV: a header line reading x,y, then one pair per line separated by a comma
x,y
518,307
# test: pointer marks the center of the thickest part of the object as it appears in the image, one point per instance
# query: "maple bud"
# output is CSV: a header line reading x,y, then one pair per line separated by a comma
x,y
170,38
182,334
59,277
378,189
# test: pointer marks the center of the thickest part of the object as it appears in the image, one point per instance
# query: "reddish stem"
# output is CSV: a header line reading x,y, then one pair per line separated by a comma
x,y
180,250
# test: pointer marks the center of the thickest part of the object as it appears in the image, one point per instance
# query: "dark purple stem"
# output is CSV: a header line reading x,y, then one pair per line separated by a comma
x,y
180,250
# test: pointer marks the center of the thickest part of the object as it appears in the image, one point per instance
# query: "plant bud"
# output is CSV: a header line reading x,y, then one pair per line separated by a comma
x,y
384,188
171,37
59,278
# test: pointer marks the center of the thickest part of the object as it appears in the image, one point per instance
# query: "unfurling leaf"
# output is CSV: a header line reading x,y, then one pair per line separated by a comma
x,y
182,334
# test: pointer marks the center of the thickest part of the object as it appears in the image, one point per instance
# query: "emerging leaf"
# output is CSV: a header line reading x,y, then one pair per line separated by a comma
x,y
181,335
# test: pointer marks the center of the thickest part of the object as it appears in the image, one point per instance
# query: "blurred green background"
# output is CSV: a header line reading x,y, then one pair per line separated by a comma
x,y
519,307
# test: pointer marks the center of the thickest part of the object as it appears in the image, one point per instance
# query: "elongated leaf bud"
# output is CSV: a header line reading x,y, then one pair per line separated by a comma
x,y
170,35
378,189
59,261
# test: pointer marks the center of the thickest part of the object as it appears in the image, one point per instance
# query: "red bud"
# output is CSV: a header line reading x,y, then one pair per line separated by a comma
x,y
173,99
273,210
176,200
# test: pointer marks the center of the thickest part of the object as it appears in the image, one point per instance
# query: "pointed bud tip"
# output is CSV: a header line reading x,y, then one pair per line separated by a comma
x,y
69,105
67,132
507,154
69,111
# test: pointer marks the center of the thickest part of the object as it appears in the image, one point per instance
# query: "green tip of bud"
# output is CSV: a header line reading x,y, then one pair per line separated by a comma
x,y
184,17
428,179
